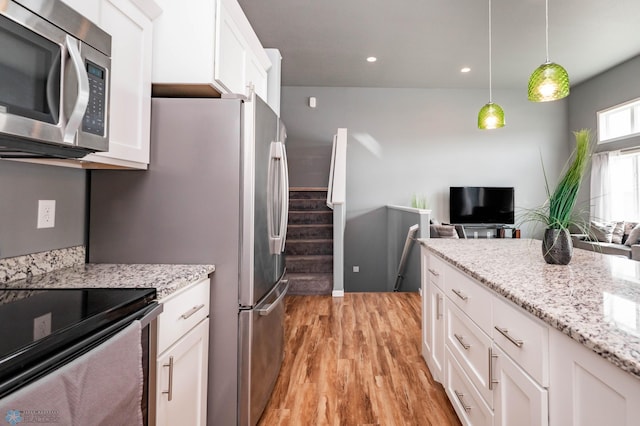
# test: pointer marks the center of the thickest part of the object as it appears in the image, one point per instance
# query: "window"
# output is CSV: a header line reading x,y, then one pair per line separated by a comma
x,y
624,172
618,122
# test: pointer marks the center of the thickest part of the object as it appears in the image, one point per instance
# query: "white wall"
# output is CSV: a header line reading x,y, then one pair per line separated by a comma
x,y
405,141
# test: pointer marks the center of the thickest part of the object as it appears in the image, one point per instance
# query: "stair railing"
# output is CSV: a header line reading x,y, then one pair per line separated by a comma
x,y
336,200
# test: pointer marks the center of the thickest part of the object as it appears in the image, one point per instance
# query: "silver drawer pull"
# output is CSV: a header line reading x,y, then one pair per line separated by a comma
x,y
438,311
169,392
191,311
460,396
492,381
460,294
512,339
434,272
465,345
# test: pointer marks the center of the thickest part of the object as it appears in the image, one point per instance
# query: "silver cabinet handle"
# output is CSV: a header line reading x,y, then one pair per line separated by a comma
x,y
465,345
509,337
438,311
492,381
169,392
460,397
191,311
460,294
434,272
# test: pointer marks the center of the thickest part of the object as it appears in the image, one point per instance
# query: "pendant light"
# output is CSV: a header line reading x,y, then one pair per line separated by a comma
x,y
491,116
548,82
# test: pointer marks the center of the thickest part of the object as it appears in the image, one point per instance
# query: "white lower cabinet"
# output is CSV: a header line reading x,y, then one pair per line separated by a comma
x,y
588,390
432,318
517,398
182,347
491,358
466,400
182,373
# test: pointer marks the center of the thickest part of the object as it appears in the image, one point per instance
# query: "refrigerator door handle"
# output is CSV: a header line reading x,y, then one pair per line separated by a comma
x,y
271,306
278,183
284,219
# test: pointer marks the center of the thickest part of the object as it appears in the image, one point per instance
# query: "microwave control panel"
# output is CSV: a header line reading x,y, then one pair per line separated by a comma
x,y
95,117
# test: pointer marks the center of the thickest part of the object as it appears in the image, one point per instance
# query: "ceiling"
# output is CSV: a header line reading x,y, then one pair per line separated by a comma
x,y
425,43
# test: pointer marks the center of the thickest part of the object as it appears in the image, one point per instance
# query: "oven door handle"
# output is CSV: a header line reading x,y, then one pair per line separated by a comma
x,y
150,314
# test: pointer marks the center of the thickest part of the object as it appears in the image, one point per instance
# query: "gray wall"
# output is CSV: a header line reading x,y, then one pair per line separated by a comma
x,y
612,87
405,141
21,186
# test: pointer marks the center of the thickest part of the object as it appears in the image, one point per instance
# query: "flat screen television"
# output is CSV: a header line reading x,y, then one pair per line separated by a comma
x,y
481,205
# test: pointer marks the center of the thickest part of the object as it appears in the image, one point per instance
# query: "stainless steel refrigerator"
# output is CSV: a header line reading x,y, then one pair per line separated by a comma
x,y
216,192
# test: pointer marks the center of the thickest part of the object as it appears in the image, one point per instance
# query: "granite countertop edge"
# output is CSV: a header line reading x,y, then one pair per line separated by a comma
x,y
165,278
598,344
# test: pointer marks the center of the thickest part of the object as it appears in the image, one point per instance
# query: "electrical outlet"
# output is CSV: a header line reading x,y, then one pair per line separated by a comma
x,y
356,269
42,326
46,213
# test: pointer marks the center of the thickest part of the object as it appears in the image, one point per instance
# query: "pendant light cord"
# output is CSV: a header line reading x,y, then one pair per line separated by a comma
x,y
546,17
490,94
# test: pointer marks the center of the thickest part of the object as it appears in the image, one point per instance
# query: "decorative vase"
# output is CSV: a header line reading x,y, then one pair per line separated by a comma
x,y
557,248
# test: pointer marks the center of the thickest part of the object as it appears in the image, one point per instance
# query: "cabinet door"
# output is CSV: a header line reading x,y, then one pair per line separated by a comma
x,y
586,389
436,302
130,101
257,76
181,396
518,399
231,53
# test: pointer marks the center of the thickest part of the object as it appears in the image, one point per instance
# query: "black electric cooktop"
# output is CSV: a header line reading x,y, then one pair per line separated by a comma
x,y
35,325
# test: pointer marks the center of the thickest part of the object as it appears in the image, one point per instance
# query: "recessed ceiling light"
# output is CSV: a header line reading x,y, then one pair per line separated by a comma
x,y
372,59
465,69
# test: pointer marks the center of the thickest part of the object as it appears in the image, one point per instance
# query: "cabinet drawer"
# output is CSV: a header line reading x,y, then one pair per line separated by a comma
x,y
523,339
436,270
181,312
470,346
469,296
466,400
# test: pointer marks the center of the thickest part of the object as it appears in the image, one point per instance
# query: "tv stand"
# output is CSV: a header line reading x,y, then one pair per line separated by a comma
x,y
490,230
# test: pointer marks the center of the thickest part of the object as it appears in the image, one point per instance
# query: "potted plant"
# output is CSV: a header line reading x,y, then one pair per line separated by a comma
x,y
557,213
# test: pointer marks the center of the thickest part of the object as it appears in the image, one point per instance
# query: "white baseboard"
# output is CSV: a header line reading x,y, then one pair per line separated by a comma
x,y
337,293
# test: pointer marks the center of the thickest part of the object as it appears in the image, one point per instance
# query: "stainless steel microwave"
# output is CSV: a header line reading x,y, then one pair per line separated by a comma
x,y
55,70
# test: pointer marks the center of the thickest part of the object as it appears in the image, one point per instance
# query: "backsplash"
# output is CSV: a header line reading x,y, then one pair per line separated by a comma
x,y
20,267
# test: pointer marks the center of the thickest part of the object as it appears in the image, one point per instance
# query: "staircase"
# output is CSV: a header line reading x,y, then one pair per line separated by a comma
x,y
309,247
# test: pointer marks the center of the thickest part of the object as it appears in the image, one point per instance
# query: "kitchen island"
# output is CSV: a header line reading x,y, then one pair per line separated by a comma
x,y
572,332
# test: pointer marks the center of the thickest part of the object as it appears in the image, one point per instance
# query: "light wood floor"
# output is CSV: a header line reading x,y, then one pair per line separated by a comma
x,y
355,361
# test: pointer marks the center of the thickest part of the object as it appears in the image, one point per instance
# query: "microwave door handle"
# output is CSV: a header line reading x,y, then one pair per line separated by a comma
x,y
75,118
54,76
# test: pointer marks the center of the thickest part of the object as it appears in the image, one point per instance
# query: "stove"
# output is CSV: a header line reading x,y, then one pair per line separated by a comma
x,y
41,330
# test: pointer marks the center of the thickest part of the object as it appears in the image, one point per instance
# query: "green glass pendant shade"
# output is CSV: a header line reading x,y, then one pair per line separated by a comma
x,y
491,116
548,82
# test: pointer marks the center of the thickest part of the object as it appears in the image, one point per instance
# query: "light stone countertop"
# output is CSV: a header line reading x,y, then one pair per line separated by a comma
x,y
165,278
595,299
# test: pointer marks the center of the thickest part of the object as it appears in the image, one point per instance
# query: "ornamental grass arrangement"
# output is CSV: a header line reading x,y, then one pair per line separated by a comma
x,y
558,213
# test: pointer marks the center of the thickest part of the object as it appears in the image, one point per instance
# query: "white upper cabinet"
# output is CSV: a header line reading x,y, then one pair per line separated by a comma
x,y
273,79
130,24
207,48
